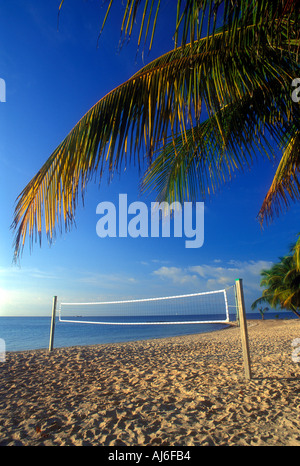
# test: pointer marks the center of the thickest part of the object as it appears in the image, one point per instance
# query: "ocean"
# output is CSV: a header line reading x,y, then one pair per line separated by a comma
x,y
28,333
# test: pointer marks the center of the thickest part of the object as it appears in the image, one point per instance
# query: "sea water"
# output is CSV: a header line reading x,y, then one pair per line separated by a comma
x,y
27,333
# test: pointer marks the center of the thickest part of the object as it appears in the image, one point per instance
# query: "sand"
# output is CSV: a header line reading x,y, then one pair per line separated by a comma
x,y
181,391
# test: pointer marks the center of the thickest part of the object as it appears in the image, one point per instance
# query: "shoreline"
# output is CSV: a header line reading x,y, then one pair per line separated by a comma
x,y
25,339
74,345
184,390
229,326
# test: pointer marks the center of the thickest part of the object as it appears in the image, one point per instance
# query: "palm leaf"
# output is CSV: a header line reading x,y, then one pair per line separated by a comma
x,y
285,186
164,98
206,158
281,283
195,18
297,254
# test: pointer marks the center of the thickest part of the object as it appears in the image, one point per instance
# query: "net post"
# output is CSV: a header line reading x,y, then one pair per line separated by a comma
x,y
236,308
243,327
226,306
52,328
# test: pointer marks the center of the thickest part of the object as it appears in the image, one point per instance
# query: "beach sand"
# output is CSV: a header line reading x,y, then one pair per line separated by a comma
x,y
181,391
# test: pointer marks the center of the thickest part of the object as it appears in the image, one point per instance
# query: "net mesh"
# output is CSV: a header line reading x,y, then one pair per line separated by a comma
x,y
205,307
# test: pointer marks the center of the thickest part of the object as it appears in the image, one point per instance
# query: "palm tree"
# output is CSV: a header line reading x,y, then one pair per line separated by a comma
x,y
262,311
197,114
296,253
282,286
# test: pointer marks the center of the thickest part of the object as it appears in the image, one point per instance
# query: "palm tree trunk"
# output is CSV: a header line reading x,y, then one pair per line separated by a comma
x,y
295,311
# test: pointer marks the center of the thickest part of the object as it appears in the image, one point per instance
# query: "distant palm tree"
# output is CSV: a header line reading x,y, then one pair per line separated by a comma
x,y
296,253
282,286
262,311
197,114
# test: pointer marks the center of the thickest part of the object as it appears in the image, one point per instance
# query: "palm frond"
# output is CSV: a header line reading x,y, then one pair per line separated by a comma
x,y
164,98
197,18
259,301
297,254
206,157
285,186
281,283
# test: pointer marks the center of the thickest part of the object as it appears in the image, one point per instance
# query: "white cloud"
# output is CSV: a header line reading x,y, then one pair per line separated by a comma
x,y
94,278
26,272
154,261
226,275
216,276
176,275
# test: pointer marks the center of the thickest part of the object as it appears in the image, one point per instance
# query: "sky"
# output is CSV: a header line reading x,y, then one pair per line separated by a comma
x,y
53,75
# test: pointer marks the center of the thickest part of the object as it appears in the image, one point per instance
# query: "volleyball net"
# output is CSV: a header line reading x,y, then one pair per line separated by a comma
x,y
196,308
210,307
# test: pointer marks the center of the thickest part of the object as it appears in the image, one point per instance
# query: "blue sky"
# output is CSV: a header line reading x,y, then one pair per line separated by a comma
x,y
52,78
